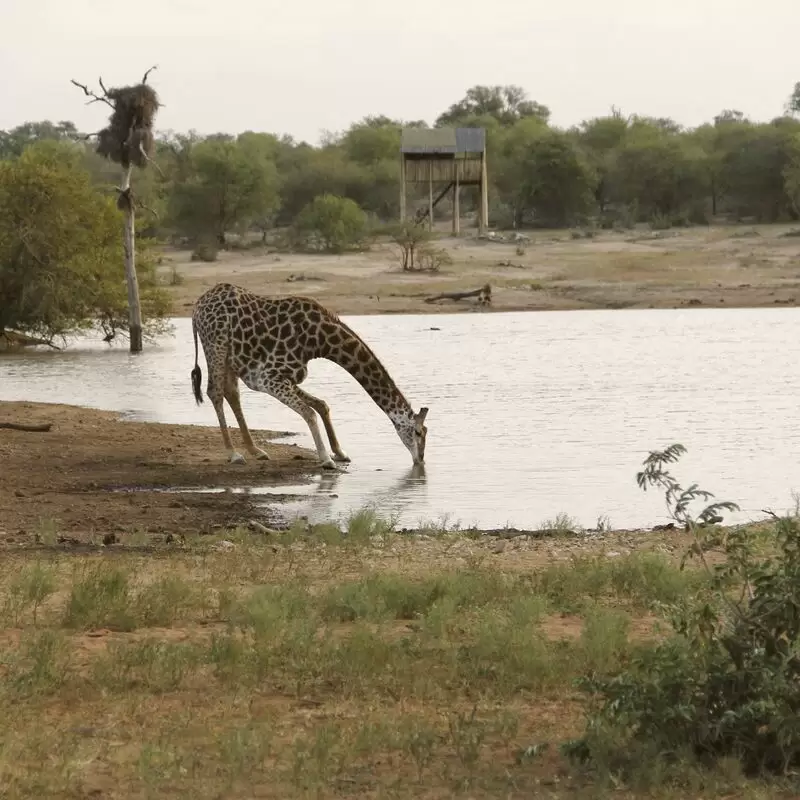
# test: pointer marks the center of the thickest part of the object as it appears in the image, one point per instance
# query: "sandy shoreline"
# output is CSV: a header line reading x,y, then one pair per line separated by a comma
x,y
715,267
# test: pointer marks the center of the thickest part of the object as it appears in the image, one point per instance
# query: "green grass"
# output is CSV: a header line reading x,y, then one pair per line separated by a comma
x,y
327,660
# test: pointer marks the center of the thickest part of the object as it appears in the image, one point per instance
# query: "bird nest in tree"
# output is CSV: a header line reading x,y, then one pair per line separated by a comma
x,y
129,139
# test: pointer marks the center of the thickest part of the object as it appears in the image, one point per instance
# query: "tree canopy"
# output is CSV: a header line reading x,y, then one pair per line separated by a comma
x,y
610,170
61,250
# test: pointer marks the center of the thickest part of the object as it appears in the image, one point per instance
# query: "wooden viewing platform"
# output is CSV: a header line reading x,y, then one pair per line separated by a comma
x,y
447,158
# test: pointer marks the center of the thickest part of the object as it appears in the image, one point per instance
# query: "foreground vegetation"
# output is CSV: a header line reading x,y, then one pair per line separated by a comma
x,y
323,661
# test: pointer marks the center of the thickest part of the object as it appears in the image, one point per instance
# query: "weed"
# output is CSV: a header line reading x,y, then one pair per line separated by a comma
x,y
318,757
100,598
243,750
47,531
420,740
156,665
39,665
466,736
364,525
28,590
561,525
176,277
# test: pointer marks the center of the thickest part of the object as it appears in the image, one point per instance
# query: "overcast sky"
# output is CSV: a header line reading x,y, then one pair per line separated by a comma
x,y
303,66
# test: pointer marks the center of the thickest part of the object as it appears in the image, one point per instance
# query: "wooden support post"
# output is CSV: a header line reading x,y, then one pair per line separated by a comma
x,y
456,202
484,204
430,195
128,244
402,187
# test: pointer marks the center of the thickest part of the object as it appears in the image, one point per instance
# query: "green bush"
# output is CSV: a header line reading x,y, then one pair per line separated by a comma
x,y
331,223
205,251
726,683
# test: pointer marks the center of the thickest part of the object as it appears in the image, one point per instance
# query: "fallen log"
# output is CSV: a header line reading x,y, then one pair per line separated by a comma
x,y
19,426
484,295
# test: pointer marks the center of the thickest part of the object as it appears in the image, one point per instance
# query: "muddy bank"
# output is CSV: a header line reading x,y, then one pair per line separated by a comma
x,y
62,480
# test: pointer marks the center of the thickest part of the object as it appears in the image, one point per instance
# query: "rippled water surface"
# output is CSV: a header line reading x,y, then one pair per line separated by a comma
x,y
531,414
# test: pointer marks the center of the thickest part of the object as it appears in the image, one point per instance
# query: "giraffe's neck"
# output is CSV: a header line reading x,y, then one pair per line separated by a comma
x,y
346,349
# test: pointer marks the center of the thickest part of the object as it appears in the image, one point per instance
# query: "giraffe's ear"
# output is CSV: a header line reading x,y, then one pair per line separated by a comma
x,y
423,412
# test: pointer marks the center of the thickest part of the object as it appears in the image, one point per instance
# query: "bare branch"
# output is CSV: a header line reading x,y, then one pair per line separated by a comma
x,y
149,160
94,97
147,208
102,85
144,79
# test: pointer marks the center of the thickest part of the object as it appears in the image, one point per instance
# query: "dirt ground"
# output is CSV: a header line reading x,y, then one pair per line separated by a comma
x,y
718,266
92,475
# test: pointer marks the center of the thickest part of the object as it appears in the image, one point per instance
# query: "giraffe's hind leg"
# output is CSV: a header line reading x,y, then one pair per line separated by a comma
x,y
291,395
216,394
231,390
322,408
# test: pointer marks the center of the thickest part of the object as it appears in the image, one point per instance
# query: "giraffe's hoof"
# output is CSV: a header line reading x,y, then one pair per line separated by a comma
x,y
261,455
328,464
237,458
341,458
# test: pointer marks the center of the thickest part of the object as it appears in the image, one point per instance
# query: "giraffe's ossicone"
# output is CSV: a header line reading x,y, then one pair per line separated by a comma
x,y
268,342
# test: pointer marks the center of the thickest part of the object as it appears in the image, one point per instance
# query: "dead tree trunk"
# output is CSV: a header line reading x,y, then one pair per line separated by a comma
x,y
483,295
129,247
30,428
128,140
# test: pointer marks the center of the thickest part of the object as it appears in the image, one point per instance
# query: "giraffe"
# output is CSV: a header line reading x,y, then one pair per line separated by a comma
x,y
268,342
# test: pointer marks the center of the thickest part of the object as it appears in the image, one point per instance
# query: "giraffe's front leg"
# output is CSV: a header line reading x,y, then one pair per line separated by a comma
x,y
295,398
322,408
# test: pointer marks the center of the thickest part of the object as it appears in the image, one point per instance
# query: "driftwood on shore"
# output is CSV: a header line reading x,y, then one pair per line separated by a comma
x,y
21,426
484,296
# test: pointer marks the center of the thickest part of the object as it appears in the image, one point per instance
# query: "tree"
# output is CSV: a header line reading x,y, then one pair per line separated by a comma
x,y
753,159
230,185
332,223
555,179
658,172
600,139
729,115
793,105
311,172
61,253
507,104
791,173
14,141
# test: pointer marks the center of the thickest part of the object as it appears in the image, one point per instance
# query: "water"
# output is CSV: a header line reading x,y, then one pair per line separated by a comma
x,y
531,414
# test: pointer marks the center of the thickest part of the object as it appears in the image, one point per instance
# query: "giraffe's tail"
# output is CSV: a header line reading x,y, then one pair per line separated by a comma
x,y
197,373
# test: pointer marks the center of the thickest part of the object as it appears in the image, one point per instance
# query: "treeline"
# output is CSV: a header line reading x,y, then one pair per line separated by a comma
x,y
609,171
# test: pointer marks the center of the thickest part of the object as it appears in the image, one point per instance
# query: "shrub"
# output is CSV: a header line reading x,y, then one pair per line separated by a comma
x,y
727,682
331,223
411,241
205,251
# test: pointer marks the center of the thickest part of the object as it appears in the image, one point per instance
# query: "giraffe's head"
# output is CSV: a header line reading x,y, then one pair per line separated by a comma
x,y
412,432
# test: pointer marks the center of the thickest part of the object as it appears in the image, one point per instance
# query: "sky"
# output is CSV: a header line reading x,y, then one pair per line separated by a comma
x,y
306,66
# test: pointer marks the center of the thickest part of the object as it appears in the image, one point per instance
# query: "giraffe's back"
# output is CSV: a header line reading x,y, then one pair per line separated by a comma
x,y
257,331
